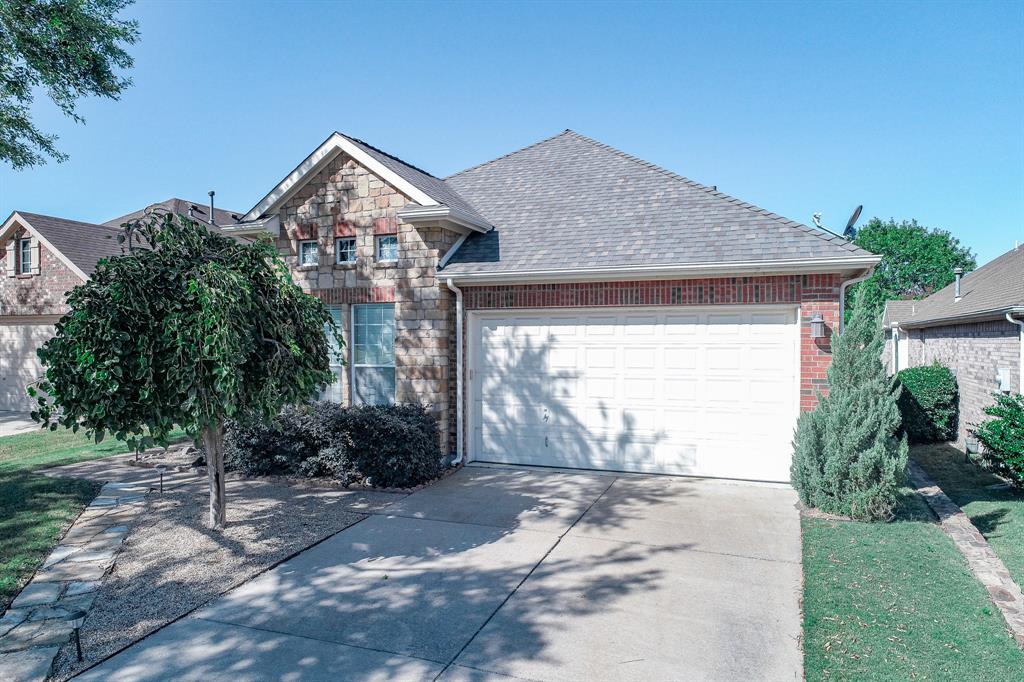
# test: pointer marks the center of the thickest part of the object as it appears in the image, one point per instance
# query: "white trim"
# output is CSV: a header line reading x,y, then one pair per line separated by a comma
x,y
352,352
460,389
979,316
16,217
842,293
270,224
451,252
474,317
1020,376
331,147
791,266
448,217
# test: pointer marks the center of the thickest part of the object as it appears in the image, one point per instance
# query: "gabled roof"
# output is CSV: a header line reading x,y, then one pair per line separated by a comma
x,y
79,245
182,207
897,310
987,293
421,187
570,203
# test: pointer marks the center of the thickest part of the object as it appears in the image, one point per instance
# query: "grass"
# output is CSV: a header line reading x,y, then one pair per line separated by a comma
x,y
896,601
36,510
997,512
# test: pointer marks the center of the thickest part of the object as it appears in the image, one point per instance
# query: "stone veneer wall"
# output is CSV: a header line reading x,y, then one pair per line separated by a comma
x,y
42,294
974,352
346,200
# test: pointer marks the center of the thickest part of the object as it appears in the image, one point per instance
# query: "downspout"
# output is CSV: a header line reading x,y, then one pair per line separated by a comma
x,y
842,296
460,454
1020,377
896,341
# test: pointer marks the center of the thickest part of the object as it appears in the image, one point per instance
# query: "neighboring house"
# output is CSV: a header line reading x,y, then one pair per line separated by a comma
x,y
976,332
567,304
43,258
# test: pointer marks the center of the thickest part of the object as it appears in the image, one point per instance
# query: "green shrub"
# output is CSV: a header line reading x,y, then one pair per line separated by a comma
x,y
385,446
1003,435
929,403
847,456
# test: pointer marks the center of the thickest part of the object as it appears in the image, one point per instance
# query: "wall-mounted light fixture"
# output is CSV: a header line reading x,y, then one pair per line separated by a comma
x,y
817,326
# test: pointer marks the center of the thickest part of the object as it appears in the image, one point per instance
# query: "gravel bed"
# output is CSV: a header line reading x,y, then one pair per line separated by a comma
x,y
172,563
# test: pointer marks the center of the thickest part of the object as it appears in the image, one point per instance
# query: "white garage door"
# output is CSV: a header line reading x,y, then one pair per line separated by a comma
x,y
708,392
18,362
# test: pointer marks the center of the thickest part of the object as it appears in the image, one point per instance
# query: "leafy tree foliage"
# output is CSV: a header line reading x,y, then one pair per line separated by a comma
x,y
916,261
1003,435
69,48
188,327
847,456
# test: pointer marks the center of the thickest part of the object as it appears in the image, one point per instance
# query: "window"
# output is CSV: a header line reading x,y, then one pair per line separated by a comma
x,y
387,248
332,391
373,354
345,250
308,253
25,256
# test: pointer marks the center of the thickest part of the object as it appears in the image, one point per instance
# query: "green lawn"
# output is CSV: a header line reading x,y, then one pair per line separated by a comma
x,y
896,601
35,510
997,513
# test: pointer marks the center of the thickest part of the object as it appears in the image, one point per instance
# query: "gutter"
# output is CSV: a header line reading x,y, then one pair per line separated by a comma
x,y
460,453
842,293
1020,374
979,316
788,266
442,213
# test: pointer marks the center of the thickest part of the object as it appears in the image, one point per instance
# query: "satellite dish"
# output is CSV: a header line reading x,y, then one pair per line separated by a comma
x,y
849,232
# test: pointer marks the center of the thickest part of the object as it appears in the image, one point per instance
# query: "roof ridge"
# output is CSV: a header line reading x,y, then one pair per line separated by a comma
x,y
843,243
390,156
567,131
66,220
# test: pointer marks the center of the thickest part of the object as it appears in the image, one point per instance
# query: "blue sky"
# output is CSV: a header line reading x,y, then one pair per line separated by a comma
x,y
915,110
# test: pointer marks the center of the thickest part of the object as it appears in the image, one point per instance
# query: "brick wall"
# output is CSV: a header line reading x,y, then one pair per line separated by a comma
x,y
813,293
974,352
346,200
41,294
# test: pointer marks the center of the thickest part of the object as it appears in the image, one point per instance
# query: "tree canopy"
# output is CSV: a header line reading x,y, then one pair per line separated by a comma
x,y
188,328
70,49
916,261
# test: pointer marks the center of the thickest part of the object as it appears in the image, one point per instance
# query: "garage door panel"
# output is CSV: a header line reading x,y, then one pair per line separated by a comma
x,y
702,392
19,365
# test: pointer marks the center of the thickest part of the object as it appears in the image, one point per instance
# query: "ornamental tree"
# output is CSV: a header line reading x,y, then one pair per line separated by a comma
x,y
187,328
849,457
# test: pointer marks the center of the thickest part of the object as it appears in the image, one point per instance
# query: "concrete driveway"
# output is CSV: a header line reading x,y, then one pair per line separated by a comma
x,y
499,573
16,422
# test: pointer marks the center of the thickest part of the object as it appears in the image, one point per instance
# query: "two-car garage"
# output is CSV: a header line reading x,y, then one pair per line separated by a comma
x,y
698,391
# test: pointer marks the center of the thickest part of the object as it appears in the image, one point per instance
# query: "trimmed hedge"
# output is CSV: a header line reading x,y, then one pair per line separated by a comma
x,y
929,403
384,446
1003,435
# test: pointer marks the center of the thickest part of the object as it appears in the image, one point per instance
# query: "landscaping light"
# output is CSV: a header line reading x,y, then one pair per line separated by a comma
x,y
817,326
76,619
160,469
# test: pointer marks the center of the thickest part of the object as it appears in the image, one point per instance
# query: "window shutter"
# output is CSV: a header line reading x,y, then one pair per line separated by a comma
x,y
12,247
35,256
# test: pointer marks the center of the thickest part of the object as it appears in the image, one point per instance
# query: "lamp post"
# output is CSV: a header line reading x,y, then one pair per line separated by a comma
x,y
77,619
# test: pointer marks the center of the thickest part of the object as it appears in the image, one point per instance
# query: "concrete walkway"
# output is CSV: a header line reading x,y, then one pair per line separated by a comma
x,y
503,572
16,422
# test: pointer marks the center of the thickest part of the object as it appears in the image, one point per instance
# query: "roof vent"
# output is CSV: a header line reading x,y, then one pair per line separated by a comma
x,y
958,272
213,221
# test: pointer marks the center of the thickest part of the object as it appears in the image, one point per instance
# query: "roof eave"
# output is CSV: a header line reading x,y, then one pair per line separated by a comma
x,y
452,218
978,316
849,264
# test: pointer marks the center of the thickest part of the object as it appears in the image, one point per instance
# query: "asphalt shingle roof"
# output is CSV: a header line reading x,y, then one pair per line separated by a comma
x,y
992,289
84,244
436,188
569,202
181,206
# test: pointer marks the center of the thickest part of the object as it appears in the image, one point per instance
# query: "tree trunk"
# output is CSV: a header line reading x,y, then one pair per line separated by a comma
x,y
213,443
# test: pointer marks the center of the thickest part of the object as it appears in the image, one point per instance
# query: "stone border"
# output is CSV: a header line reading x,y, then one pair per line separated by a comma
x,y
986,566
35,626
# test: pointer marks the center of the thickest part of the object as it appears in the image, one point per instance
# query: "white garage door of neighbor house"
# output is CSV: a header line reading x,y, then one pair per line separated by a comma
x,y
704,392
19,365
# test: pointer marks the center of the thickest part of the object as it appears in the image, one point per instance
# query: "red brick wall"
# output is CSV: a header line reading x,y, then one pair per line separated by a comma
x,y
41,294
813,293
